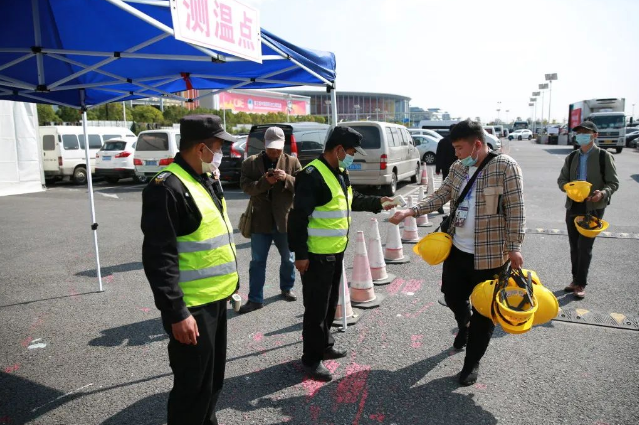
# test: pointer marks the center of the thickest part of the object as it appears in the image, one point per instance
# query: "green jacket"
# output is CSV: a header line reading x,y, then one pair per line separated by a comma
x,y
608,183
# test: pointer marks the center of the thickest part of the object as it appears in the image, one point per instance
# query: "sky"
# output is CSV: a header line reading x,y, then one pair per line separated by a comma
x,y
465,56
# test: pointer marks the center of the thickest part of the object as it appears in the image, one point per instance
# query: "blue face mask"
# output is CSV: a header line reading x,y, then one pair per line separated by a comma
x,y
347,161
469,161
582,139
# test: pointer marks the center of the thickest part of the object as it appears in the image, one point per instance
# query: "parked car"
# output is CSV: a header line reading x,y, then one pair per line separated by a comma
x,y
499,130
233,156
491,130
63,149
427,147
426,132
155,149
631,137
303,139
391,156
520,134
114,161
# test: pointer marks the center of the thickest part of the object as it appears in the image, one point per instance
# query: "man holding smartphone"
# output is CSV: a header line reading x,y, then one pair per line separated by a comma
x,y
269,178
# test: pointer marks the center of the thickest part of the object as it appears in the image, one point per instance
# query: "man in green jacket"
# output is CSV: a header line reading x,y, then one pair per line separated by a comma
x,y
596,166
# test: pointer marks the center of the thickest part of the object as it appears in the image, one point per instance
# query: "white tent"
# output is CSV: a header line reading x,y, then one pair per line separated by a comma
x,y
20,153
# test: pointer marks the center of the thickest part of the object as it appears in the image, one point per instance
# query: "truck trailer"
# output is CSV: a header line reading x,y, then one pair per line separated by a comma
x,y
609,117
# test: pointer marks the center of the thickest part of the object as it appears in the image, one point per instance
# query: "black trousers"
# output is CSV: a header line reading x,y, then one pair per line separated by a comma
x,y
320,289
580,247
198,370
459,278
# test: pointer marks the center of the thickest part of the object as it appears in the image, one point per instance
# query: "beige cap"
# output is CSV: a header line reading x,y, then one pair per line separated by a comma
x,y
274,138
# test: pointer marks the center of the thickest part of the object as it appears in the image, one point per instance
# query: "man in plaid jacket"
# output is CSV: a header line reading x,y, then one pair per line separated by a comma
x,y
487,231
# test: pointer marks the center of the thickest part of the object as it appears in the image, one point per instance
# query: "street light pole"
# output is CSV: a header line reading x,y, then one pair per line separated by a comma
x,y
542,87
550,78
328,111
498,109
356,107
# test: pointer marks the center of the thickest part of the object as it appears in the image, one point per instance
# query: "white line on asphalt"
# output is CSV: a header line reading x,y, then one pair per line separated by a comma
x,y
108,195
62,396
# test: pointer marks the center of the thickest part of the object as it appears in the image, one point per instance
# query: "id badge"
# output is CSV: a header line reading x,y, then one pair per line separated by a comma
x,y
462,214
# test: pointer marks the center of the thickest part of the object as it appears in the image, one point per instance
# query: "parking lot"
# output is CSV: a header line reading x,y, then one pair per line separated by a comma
x,y
72,355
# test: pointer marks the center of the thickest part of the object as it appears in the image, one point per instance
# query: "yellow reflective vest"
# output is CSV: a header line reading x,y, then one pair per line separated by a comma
x,y
207,257
329,223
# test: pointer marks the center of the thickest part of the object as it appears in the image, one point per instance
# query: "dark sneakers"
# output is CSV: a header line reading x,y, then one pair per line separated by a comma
x,y
332,353
461,339
318,371
289,296
250,306
468,375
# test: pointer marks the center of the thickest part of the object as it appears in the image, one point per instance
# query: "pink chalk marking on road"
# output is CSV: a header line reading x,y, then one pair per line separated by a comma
x,y
481,386
423,309
258,337
349,389
11,369
108,279
315,412
27,341
38,322
413,286
145,309
395,285
416,341
362,403
379,417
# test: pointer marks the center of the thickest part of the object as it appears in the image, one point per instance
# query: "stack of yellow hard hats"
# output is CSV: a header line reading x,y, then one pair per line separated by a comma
x,y
434,248
578,190
516,304
589,225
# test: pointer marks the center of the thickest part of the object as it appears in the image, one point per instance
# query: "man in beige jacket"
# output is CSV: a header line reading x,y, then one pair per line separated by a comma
x,y
269,177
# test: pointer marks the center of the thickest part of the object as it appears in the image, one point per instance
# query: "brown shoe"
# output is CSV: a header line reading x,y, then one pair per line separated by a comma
x,y
580,292
571,287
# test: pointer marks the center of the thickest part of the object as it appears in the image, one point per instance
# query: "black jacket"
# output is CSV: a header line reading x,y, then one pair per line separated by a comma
x,y
312,191
445,155
169,211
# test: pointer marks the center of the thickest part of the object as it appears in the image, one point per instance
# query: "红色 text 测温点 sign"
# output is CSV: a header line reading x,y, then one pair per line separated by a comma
x,y
226,26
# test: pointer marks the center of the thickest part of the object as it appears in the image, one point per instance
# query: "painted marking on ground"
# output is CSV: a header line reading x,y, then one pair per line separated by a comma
x,y
13,368
35,344
62,396
563,232
108,195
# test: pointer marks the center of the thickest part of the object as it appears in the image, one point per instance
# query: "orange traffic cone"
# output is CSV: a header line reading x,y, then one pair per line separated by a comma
x,y
422,220
362,290
394,250
344,305
410,235
424,179
376,257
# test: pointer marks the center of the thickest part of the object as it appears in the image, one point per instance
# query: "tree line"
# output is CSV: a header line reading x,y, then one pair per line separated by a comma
x,y
146,116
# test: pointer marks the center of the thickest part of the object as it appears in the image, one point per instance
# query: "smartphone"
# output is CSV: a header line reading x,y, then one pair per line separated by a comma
x,y
270,172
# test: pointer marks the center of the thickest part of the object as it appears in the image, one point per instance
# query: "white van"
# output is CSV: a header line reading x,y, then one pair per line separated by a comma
x,y
391,156
155,150
63,149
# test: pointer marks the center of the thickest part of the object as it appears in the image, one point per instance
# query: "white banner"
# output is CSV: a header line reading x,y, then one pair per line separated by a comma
x,y
227,26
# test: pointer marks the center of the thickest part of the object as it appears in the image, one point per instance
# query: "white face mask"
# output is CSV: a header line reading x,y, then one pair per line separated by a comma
x,y
210,167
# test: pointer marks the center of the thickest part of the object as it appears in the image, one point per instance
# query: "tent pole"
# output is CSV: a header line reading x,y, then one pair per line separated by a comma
x,y
334,106
94,225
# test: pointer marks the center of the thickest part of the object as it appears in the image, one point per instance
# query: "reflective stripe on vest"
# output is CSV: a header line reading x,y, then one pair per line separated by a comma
x,y
207,257
329,223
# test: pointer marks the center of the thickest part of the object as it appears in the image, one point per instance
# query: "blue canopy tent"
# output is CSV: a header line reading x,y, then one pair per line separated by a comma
x,y
85,53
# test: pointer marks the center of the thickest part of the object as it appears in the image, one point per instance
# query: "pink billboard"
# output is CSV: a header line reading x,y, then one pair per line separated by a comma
x,y
260,104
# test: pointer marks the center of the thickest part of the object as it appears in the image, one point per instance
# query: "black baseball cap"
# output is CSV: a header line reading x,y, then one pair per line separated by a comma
x,y
202,127
347,137
587,125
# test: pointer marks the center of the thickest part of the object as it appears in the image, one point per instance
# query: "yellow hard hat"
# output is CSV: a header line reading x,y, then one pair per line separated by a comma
x,y
578,190
515,304
548,306
591,228
482,298
434,247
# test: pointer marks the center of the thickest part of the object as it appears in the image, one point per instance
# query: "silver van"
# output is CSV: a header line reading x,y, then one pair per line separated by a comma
x,y
392,156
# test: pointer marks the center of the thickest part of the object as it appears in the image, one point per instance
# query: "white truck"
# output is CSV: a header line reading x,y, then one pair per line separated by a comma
x,y
609,117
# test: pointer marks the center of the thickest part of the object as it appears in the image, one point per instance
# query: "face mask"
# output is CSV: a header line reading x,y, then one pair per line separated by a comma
x,y
582,139
469,161
347,161
210,167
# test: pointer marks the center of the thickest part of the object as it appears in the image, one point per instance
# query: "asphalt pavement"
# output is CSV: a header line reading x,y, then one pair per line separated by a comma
x,y
72,355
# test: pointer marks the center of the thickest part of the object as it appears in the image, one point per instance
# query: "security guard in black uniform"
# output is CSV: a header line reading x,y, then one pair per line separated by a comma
x,y
190,261
318,230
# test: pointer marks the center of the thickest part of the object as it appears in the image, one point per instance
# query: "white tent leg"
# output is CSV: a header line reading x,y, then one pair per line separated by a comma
x,y
94,225
334,107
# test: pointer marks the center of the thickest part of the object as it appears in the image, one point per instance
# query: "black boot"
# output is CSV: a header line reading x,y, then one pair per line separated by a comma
x,y
468,374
